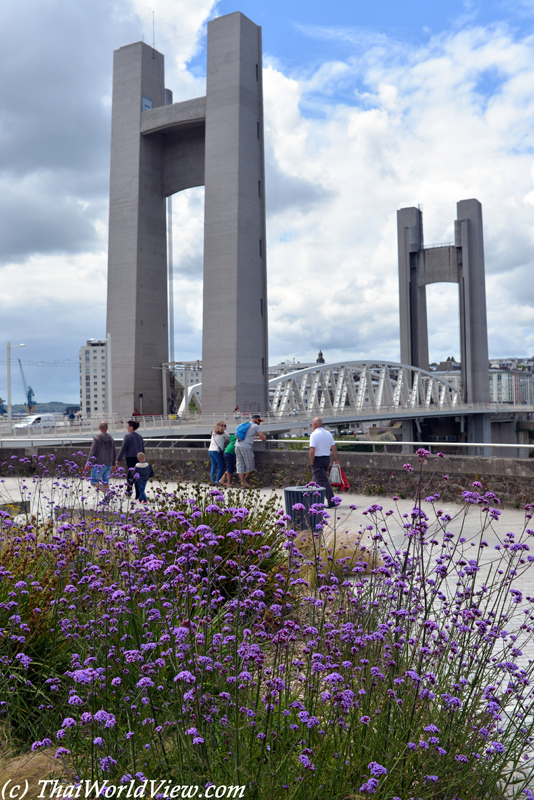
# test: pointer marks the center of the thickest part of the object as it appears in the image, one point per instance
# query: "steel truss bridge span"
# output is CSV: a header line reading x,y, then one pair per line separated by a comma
x,y
361,387
353,388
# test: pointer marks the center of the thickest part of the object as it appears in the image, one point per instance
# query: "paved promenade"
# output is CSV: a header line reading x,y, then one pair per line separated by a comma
x,y
345,516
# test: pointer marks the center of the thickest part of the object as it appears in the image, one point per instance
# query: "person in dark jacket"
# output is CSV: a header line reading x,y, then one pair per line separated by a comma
x,y
143,472
132,444
102,458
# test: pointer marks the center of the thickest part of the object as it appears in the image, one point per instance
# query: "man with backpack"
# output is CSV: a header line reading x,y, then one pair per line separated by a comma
x,y
245,435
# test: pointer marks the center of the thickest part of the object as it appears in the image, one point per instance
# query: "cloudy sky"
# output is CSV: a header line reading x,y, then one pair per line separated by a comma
x,y
369,107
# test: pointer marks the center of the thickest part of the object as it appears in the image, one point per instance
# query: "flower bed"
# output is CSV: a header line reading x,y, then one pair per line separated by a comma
x,y
188,642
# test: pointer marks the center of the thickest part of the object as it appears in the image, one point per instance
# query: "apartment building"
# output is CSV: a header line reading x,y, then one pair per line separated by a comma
x,y
93,378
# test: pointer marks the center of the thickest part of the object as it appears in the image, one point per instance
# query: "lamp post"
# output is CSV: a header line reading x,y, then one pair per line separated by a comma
x,y
109,387
9,346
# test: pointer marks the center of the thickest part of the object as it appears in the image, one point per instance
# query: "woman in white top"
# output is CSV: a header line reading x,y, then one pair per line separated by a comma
x,y
219,440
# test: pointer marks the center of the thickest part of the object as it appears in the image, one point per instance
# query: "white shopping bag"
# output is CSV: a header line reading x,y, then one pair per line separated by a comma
x,y
335,475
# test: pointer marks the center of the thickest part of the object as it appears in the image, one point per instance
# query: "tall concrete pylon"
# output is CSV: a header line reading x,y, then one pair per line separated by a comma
x,y
461,263
159,148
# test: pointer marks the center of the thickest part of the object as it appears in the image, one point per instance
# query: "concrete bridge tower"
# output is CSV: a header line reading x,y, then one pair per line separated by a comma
x,y
159,148
461,263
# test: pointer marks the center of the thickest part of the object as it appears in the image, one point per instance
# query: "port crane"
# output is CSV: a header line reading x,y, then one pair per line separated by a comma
x,y
28,391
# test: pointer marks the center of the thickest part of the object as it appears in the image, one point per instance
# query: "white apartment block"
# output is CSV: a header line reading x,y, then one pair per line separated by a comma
x,y
511,386
187,373
93,385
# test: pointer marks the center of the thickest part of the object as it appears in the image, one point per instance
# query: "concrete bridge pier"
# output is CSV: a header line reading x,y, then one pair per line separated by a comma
x,y
511,429
479,430
408,433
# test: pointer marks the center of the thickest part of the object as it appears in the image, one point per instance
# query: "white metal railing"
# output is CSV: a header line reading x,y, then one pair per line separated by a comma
x,y
371,445
164,425
383,445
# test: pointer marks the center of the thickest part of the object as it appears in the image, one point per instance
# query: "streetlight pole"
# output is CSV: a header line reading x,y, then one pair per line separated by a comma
x,y
9,346
109,387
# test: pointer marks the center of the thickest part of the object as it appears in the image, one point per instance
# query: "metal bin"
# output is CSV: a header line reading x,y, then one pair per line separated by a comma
x,y
308,496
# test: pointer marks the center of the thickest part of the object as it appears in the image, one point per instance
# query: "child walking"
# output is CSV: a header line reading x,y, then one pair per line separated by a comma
x,y
143,472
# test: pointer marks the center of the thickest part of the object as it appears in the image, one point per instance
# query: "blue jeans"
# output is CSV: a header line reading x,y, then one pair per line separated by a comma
x,y
141,488
230,463
218,466
100,474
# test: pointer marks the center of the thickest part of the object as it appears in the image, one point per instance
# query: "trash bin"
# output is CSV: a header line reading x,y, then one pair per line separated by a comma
x,y
307,496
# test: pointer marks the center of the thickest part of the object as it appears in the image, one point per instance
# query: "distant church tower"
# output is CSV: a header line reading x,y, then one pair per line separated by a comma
x,y
320,359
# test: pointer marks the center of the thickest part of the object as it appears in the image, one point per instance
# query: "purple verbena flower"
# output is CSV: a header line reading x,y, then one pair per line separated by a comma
x,y
186,676
104,717
377,769
370,787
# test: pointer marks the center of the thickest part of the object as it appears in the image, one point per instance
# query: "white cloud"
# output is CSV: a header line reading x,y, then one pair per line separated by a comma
x,y
177,27
358,36
423,134
348,142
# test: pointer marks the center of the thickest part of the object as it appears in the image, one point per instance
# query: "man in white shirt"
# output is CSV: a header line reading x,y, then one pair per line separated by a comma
x,y
321,444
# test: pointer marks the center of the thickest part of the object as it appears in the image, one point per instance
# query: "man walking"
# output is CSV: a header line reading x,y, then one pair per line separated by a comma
x,y
321,444
102,455
244,452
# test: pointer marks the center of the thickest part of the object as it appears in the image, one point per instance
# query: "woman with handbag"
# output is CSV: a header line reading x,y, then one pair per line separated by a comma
x,y
219,440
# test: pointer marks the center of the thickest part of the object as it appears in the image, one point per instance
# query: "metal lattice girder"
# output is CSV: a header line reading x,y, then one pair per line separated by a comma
x,y
354,387
339,398
357,386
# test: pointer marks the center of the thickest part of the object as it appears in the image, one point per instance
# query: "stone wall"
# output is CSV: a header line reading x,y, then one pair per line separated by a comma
x,y
512,480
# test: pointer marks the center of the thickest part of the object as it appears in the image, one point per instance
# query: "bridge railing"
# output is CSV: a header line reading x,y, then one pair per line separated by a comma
x,y
151,424
302,443
409,447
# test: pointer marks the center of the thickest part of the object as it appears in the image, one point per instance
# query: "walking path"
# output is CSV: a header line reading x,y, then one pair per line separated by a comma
x,y
348,515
